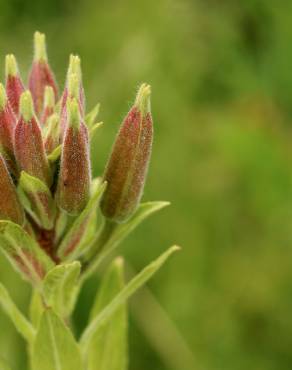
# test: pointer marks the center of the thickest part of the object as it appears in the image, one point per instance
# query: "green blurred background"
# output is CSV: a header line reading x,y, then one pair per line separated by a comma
x,y
222,105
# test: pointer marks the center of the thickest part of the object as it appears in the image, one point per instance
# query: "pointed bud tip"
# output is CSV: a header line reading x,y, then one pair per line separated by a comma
x,y
73,85
26,106
53,122
74,65
142,101
3,97
40,51
119,262
49,97
11,68
74,114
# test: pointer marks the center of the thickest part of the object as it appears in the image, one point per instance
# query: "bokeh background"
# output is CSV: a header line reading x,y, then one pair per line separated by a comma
x,y
221,78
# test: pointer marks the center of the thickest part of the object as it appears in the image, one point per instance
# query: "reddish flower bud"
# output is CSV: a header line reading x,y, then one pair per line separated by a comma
x,y
49,104
10,207
7,124
28,143
41,74
14,85
75,174
128,163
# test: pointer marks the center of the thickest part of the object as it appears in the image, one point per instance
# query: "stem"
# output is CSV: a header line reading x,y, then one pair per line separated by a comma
x,y
105,232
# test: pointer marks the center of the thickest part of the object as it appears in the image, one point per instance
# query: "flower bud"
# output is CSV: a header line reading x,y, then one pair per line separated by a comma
x,y
51,133
41,74
128,163
28,143
75,174
7,124
14,85
10,207
49,104
74,69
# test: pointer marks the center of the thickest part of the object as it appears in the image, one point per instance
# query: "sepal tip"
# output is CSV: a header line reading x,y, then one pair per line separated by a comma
x,y
40,51
26,106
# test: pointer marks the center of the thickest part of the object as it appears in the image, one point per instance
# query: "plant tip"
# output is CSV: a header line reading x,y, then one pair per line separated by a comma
x,y
26,106
10,65
142,101
40,52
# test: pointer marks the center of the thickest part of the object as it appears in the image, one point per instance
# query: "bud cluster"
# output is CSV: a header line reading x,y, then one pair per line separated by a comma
x,y
45,168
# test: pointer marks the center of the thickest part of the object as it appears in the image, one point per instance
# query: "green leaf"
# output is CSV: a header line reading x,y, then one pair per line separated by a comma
x,y
118,234
60,287
138,281
101,355
80,235
22,325
36,308
37,200
91,116
55,155
94,129
24,253
55,347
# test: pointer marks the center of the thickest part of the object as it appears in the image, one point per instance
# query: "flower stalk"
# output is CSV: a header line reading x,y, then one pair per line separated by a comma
x,y
57,223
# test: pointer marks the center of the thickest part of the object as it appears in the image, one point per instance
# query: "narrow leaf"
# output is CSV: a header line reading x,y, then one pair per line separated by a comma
x,y
119,233
24,253
22,325
91,116
39,202
79,236
60,287
138,281
55,347
101,355
94,129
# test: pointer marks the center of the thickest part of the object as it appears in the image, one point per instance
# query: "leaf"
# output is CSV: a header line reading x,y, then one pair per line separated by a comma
x,y
79,237
138,281
55,347
119,233
22,325
36,308
91,116
94,129
55,155
60,287
37,200
113,334
24,253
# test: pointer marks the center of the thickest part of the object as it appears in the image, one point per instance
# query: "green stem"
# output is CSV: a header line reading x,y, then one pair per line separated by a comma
x,y
105,232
